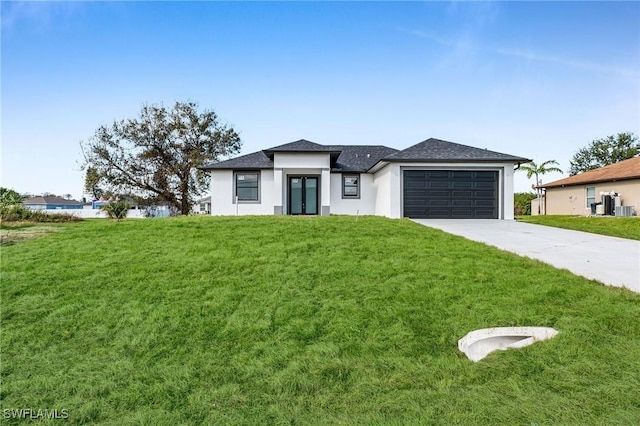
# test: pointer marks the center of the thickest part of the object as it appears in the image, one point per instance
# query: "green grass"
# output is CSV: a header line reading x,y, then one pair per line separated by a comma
x,y
16,232
623,227
290,320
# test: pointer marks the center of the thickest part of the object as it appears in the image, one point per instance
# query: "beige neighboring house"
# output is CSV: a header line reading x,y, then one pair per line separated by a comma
x,y
575,194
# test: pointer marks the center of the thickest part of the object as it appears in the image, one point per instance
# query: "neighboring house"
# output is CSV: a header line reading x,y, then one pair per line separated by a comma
x,y
575,194
203,206
146,209
51,203
432,179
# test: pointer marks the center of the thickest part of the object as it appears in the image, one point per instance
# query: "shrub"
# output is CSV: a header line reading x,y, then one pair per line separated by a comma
x,y
41,216
522,203
10,203
12,210
116,209
20,213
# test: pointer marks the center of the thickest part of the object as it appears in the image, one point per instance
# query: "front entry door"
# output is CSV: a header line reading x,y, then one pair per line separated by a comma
x,y
303,195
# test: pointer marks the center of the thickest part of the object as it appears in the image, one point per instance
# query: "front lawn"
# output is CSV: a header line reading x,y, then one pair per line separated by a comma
x,y
623,227
303,320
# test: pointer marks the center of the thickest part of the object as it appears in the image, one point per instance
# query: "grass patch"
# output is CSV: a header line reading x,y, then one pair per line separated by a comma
x,y
322,320
17,232
623,227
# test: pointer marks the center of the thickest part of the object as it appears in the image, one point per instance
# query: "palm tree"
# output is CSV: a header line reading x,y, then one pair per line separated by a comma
x,y
539,169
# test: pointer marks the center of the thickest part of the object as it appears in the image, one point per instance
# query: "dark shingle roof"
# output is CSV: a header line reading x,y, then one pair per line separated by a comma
x,y
256,160
51,200
348,158
359,158
439,150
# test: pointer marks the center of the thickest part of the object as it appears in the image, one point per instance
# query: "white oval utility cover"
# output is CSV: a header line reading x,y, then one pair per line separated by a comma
x,y
479,343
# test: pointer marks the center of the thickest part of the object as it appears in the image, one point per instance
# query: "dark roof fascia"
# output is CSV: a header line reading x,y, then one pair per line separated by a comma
x,y
386,161
458,160
589,182
334,170
518,162
238,168
303,151
523,161
248,168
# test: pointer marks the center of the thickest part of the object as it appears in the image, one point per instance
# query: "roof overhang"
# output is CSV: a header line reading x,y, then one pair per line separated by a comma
x,y
385,161
589,182
378,166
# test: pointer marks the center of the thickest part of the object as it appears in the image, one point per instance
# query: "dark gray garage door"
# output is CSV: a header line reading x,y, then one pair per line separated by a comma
x,y
451,194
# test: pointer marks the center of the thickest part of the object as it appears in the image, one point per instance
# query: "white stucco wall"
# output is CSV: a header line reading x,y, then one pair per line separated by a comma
x,y
381,186
299,160
507,192
222,197
395,191
365,205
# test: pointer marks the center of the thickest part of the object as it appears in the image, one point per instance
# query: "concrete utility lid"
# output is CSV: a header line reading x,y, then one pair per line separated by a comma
x,y
479,343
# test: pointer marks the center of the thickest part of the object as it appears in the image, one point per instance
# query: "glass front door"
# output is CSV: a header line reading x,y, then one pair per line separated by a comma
x,y
303,195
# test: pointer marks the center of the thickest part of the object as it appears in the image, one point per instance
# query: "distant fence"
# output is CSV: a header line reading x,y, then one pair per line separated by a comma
x,y
95,213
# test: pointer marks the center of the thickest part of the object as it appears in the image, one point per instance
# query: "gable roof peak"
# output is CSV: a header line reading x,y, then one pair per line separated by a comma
x,y
301,145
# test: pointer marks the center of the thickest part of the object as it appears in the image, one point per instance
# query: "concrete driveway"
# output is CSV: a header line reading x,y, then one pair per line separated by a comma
x,y
610,260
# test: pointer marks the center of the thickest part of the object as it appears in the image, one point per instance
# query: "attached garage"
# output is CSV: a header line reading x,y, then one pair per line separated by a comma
x,y
450,194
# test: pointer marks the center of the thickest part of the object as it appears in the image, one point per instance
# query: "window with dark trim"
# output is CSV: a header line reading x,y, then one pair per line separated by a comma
x,y
590,195
246,186
351,186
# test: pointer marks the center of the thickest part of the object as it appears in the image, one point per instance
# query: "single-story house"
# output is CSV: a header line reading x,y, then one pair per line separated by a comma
x,y
432,179
575,194
51,203
203,206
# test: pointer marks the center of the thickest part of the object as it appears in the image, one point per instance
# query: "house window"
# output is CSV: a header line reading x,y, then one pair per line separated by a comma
x,y
590,195
247,186
350,186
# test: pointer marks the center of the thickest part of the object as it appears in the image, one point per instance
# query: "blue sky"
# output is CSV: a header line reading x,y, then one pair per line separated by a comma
x,y
533,79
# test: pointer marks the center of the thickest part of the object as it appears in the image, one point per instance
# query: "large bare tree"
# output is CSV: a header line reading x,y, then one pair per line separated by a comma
x,y
157,154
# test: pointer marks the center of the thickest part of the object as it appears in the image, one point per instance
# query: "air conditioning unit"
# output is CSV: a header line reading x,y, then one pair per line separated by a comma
x,y
624,211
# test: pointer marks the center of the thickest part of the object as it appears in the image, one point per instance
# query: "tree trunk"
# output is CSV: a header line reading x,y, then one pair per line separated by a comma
x,y
185,208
